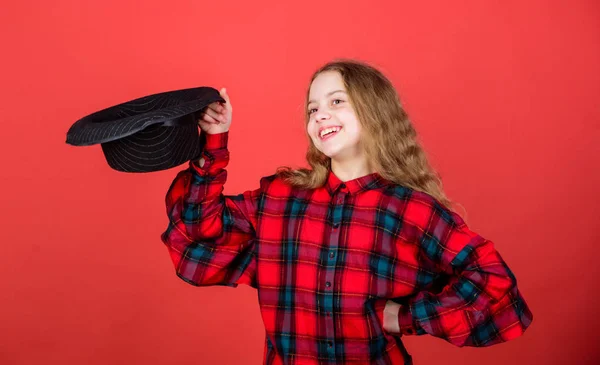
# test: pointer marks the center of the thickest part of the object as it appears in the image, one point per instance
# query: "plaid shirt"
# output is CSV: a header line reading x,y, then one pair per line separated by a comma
x,y
325,261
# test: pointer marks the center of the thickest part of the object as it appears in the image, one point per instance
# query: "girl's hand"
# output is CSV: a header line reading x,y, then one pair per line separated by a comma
x,y
390,317
216,117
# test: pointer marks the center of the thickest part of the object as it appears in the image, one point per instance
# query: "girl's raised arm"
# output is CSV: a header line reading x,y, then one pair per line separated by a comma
x,y
210,236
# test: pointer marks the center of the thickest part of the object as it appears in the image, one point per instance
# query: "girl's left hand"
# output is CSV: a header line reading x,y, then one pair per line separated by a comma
x,y
390,317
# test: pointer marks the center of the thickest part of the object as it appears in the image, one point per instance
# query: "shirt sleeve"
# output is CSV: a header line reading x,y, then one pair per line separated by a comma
x,y
210,236
479,304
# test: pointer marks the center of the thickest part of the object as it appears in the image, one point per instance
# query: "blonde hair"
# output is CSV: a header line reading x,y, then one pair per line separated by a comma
x,y
388,137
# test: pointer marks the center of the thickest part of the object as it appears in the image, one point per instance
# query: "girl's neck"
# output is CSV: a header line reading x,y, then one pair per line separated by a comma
x,y
350,170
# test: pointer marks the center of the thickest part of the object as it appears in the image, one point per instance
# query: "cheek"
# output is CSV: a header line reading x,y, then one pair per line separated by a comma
x,y
349,120
346,115
311,127
311,134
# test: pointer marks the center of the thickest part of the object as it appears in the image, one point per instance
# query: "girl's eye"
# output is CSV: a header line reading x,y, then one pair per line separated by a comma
x,y
310,111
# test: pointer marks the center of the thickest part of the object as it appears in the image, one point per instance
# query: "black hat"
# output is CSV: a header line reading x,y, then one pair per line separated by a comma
x,y
151,133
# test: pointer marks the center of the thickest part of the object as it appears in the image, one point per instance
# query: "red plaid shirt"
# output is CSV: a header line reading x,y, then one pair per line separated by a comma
x,y
325,261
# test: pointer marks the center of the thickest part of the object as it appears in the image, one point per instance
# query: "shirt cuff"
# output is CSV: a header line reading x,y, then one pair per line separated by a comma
x,y
214,146
405,320
216,141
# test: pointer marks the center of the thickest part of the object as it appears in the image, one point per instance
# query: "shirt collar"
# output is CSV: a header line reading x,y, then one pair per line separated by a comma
x,y
354,186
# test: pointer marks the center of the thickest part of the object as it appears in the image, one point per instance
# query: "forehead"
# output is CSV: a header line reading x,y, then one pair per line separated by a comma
x,y
325,82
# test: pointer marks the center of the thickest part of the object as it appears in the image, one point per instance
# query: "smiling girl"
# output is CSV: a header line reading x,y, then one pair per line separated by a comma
x,y
355,252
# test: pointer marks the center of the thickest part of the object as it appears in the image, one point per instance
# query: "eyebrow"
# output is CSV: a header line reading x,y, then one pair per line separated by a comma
x,y
329,94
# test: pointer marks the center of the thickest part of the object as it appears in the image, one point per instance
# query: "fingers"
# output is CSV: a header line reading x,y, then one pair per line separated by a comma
x,y
207,118
217,112
215,116
216,106
225,96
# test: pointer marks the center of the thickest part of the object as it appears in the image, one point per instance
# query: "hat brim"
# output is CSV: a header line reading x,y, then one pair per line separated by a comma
x,y
130,117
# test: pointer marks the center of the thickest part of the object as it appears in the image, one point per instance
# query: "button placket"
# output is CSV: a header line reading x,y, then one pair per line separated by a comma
x,y
330,270
333,241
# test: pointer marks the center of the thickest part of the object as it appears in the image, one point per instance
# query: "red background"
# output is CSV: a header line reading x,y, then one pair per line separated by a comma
x,y
505,97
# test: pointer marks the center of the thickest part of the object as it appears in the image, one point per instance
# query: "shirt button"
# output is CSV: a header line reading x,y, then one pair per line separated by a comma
x,y
332,254
330,344
335,225
328,284
343,186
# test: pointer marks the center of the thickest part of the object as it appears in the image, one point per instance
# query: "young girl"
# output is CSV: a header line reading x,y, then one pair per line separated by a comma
x,y
352,254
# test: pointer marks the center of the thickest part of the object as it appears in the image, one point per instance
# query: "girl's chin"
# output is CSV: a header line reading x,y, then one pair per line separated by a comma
x,y
331,150
328,153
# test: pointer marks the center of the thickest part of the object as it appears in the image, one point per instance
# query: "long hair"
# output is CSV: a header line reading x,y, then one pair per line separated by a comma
x,y
388,137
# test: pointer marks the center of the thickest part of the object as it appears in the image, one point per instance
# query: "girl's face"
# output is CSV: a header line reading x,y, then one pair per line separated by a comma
x,y
329,107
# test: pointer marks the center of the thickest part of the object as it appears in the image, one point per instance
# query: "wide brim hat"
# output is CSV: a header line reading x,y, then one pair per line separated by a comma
x,y
151,133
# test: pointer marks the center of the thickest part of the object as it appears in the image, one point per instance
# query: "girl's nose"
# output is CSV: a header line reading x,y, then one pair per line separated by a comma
x,y
322,115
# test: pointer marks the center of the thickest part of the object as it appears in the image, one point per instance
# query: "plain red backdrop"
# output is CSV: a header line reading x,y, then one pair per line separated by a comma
x,y
505,97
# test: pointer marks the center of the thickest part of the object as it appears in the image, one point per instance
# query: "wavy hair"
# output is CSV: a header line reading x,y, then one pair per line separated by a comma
x,y
388,137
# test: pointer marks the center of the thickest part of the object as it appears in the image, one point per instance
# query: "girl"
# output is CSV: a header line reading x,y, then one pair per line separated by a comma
x,y
352,254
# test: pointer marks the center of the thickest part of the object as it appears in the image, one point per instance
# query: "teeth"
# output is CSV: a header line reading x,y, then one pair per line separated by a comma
x,y
332,129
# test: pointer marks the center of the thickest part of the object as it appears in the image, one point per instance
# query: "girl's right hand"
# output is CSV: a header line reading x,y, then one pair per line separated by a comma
x,y
216,117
